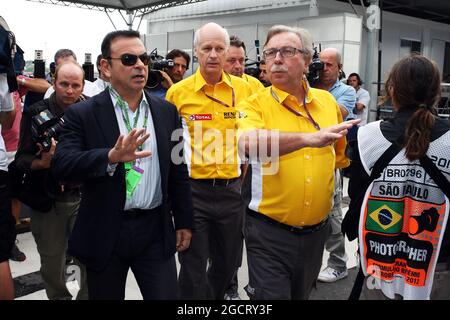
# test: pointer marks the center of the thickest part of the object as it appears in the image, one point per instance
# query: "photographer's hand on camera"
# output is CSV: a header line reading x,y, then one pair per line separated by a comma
x,y
45,157
167,81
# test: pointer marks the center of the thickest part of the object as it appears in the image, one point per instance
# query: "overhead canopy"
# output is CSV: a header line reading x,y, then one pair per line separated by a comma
x,y
131,7
435,10
142,6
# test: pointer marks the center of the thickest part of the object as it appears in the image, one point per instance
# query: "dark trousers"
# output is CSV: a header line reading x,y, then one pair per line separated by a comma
x,y
7,221
216,236
282,265
139,247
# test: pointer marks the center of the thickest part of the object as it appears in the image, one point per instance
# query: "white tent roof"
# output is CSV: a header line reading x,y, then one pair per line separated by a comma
x,y
132,8
141,6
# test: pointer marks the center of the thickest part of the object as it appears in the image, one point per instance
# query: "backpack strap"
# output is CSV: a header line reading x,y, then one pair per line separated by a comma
x,y
436,175
383,161
377,169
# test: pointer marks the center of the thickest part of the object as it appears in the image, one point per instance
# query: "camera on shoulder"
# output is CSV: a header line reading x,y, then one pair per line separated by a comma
x,y
158,63
314,69
44,127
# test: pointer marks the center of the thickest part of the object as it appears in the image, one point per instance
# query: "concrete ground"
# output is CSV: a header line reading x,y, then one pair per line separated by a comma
x,y
29,286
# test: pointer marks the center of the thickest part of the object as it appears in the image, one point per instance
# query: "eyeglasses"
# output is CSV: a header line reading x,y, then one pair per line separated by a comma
x,y
129,59
285,52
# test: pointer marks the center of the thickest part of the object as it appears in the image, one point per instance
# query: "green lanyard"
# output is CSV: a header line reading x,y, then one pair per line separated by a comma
x,y
124,110
126,119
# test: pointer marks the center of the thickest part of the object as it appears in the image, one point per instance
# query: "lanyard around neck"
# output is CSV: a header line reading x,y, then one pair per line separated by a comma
x,y
124,110
233,97
298,114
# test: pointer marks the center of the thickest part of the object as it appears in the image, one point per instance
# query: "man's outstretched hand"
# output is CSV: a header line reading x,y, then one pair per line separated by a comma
x,y
125,149
328,136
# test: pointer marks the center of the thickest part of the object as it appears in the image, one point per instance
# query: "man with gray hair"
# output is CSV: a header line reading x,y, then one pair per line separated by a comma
x,y
287,217
346,97
207,103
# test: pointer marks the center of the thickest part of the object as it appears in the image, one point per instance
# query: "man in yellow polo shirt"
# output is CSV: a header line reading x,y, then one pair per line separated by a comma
x,y
235,63
291,188
207,103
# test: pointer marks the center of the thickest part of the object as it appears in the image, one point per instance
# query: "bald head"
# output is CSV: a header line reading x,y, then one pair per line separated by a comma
x,y
209,30
332,53
211,43
68,84
69,67
332,64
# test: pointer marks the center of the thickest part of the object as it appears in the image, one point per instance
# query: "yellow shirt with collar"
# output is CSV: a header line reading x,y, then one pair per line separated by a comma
x,y
299,191
254,83
209,127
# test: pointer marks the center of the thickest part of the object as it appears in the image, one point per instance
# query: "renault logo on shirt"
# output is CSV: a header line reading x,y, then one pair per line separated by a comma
x,y
232,115
229,115
200,117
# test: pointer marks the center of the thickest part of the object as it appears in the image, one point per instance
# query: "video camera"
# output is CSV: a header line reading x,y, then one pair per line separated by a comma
x,y
39,64
251,66
314,68
44,127
158,63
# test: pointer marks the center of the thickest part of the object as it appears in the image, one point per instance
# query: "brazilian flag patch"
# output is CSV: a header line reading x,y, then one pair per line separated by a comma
x,y
384,216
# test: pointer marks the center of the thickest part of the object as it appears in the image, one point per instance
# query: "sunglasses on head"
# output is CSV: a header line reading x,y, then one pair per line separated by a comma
x,y
129,59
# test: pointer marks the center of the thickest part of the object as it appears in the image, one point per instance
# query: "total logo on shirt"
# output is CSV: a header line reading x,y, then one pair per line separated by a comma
x,y
200,117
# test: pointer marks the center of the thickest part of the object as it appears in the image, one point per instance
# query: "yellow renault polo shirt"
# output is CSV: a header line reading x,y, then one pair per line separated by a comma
x,y
255,84
300,191
208,115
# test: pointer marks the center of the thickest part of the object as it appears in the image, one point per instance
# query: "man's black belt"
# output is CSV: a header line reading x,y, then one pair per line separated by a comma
x,y
217,182
134,213
297,230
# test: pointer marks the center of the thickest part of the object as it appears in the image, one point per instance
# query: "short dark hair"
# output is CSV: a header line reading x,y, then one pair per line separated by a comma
x,y
62,53
235,41
106,43
354,74
175,53
99,58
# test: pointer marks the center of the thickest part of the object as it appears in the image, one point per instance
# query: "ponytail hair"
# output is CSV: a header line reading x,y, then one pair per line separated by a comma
x,y
415,83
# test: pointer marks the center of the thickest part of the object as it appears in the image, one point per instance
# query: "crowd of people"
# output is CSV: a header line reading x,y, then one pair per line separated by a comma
x,y
121,176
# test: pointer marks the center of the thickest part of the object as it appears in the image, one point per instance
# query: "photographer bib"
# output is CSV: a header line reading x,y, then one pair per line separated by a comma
x,y
403,219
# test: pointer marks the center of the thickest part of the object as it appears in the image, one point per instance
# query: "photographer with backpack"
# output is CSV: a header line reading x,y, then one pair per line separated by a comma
x,y
400,191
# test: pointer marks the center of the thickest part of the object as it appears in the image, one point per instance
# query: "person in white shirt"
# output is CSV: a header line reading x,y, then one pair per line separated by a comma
x,y
102,81
362,98
67,55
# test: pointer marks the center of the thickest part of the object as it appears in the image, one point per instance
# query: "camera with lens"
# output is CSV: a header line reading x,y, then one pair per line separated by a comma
x,y
158,63
427,220
44,127
314,69
252,68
